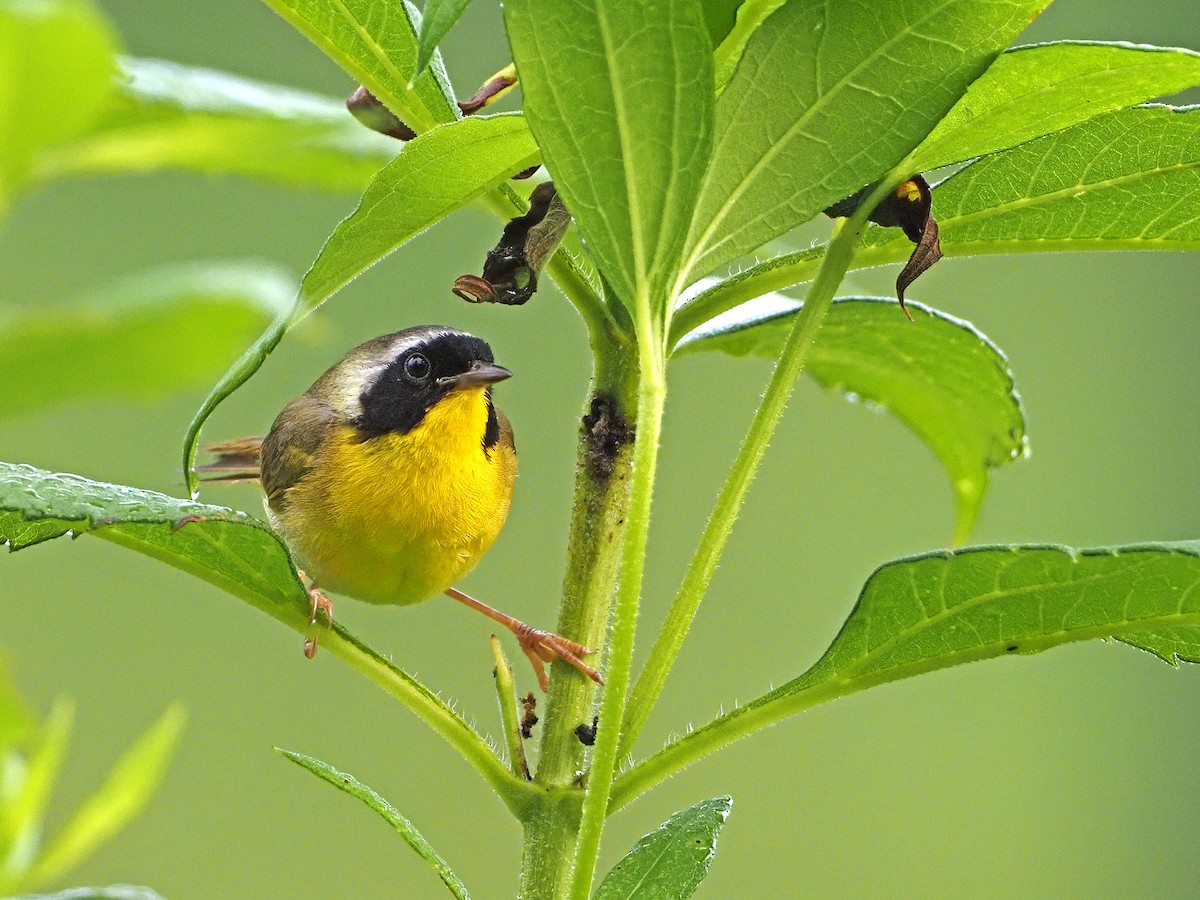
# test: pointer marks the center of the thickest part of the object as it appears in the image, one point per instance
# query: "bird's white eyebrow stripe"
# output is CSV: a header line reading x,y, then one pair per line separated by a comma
x,y
408,341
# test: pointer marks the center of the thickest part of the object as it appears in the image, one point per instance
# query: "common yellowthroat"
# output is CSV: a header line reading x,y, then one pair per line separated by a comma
x,y
391,476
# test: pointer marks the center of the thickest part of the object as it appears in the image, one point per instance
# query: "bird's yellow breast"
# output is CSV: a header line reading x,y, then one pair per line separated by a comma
x,y
401,517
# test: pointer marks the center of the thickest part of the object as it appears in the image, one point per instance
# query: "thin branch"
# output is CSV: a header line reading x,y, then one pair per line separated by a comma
x,y
837,260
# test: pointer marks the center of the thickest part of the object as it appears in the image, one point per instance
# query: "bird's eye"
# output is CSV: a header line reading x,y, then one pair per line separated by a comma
x,y
416,367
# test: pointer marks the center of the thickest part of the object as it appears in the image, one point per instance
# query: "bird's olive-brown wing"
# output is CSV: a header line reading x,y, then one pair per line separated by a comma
x,y
289,451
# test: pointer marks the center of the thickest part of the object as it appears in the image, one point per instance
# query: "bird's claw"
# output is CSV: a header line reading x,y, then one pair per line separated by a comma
x,y
320,603
542,647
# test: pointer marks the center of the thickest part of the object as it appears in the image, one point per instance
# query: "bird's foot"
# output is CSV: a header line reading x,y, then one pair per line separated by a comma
x,y
320,604
545,646
540,646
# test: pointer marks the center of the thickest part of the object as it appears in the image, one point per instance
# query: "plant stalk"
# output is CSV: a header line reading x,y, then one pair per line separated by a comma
x,y
509,724
652,392
549,857
598,522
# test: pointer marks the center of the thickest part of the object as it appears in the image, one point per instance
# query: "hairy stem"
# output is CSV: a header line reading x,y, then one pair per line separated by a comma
x,y
593,560
837,259
651,398
549,856
509,723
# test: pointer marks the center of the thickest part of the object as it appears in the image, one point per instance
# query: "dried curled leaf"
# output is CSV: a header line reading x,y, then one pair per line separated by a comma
x,y
909,207
510,272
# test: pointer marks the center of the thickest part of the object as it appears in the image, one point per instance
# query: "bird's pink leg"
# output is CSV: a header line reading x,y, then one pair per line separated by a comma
x,y
539,646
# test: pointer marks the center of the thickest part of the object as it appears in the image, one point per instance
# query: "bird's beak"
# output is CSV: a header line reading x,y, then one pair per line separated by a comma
x,y
479,375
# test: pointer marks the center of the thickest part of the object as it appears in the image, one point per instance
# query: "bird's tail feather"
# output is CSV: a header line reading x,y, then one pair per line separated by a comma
x,y
234,462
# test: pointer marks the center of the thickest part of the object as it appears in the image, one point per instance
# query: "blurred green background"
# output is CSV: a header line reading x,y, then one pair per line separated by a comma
x,y
1070,774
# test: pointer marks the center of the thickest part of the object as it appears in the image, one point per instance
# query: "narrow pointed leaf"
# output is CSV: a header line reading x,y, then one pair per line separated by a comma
x,y
146,336
670,862
939,375
57,56
437,18
619,96
377,44
1037,90
437,173
355,788
23,814
125,792
841,93
943,609
167,116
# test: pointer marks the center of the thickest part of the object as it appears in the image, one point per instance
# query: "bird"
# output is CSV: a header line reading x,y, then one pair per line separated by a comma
x,y
391,476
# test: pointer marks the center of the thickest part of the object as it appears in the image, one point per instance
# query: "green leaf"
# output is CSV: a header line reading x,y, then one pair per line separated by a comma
x,y
1126,180
1180,643
438,18
355,788
930,612
942,609
56,64
112,892
670,862
124,793
377,44
166,116
1032,91
146,336
221,546
720,16
27,794
619,96
437,173
829,97
939,375
750,15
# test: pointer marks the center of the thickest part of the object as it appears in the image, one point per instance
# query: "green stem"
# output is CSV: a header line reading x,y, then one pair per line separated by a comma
x,y
796,268
506,695
837,259
593,561
718,733
651,398
549,843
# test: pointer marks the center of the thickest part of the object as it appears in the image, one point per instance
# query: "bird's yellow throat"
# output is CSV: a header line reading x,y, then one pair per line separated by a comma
x,y
403,516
